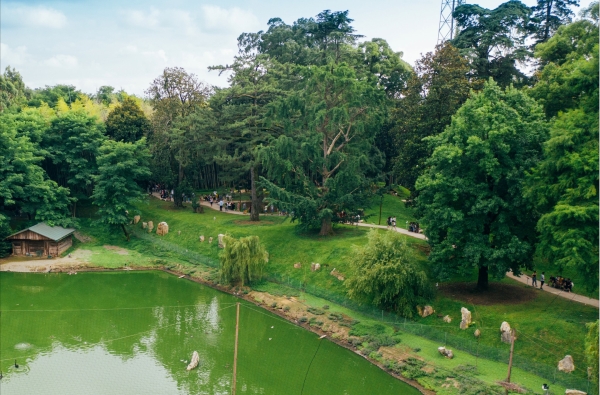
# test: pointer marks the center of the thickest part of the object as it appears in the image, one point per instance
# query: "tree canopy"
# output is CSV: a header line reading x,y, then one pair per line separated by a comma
x,y
242,260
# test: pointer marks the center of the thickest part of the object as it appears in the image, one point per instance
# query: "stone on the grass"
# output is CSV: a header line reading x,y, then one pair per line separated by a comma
x,y
463,325
150,226
136,219
297,265
221,242
202,239
574,392
505,327
566,364
425,311
144,225
446,352
337,275
194,362
178,233
477,333
162,229
315,266
210,239
505,333
465,317
447,319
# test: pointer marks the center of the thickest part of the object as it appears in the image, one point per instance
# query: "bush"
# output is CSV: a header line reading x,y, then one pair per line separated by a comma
x,y
315,311
274,305
361,330
286,308
302,319
326,307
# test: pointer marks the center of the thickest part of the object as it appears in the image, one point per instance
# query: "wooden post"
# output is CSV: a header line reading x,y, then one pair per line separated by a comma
x,y
512,348
237,327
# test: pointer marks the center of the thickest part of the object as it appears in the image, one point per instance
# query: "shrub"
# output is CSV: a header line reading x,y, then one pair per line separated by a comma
x,y
315,311
286,308
302,319
274,305
326,307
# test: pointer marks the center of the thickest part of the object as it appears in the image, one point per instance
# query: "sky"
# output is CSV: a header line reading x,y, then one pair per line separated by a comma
x,y
126,44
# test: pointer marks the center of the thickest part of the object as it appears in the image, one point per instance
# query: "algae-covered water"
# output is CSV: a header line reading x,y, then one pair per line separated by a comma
x,y
132,333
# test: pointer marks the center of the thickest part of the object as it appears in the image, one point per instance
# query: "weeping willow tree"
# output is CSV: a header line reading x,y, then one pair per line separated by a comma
x,y
242,260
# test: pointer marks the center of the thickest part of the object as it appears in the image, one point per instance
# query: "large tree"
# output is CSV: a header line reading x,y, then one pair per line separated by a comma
x,y
494,40
435,92
121,167
564,186
386,274
549,15
471,195
324,162
12,89
242,260
127,122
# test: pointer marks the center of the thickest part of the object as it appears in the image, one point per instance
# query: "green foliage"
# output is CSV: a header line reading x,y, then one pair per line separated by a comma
x,y
127,122
51,95
549,15
591,350
494,40
12,89
471,193
385,273
120,167
242,260
564,186
437,89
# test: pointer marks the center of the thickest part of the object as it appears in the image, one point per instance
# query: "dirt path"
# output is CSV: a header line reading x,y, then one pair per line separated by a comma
x,y
78,258
524,279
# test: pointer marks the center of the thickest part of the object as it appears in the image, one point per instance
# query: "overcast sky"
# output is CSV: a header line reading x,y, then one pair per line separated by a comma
x,y
127,44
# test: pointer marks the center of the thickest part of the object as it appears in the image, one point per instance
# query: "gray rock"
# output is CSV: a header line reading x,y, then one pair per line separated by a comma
x,y
445,352
465,317
447,319
574,392
477,333
566,364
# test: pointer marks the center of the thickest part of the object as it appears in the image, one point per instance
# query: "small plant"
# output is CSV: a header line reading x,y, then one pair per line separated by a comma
x,y
302,319
274,305
326,307
315,311
416,349
335,317
286,308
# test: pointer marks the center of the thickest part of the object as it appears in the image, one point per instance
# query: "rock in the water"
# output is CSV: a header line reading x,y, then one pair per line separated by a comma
x,y
447,319
445,352
162,229
221,242
144,225
425,311
574,392
505,332
466,318
210,239
477,333
297,265
194,362
136,219
315,266
150,226
566,364
202,239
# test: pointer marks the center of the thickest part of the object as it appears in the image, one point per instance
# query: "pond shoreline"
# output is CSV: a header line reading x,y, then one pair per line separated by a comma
x,y
247,297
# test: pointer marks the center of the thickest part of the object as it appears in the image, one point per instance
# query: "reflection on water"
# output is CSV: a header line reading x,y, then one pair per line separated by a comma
x,y
91,334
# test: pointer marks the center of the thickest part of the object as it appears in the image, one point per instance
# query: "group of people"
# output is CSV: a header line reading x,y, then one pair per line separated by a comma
x,y
414,227
391,223
559,282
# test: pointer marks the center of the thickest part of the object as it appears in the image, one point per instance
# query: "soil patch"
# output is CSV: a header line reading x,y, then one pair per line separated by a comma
x,y
496,294
118,250
81,237
247,222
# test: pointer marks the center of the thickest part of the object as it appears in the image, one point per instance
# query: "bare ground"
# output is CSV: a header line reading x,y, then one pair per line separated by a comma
x,y
497,293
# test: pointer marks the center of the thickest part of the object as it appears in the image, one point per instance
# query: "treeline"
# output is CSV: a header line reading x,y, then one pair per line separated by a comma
x,y
317,121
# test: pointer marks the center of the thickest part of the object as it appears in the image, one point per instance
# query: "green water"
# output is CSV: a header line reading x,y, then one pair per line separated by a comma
x,y
131,333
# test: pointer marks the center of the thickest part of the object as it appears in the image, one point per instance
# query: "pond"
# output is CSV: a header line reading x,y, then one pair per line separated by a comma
x,y
134,332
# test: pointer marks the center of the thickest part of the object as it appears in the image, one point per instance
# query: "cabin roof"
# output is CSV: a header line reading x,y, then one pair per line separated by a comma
x,y
55,233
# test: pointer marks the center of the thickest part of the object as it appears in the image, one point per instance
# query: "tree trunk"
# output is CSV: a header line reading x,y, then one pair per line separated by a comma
x,y
482,278
326,227
255,209
125,231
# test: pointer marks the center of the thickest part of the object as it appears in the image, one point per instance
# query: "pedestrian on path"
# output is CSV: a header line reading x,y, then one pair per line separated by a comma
x,y
542,281
394,223
534,279
389,222
220,205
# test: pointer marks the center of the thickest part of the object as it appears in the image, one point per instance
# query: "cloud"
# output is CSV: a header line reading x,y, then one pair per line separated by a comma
x,y
232,19
38,16
143,19
62,61
13,56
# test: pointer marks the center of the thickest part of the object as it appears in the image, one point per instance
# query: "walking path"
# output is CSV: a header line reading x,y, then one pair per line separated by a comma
x,y
522,279
567,295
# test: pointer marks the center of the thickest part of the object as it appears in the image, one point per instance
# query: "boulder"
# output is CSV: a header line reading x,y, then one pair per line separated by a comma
x,y
463,325
144,225
337,275
465,317
150,226
425,311
445,352
162,229
505,333
447,319
574,392
297,265
566,364
315,266
194,362
136,219
202,239
505,327
477,333
210,239
221,242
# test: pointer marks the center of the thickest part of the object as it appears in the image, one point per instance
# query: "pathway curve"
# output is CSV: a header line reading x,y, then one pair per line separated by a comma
x,y
524,279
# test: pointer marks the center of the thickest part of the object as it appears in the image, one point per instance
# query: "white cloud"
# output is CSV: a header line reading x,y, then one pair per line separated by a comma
x,y
62,61
13,56
232,19
39,16
143,19
157,54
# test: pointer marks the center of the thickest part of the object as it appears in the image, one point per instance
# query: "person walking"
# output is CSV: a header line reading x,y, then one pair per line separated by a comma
x,y
542,280
394,223
534,279
220,205
389,222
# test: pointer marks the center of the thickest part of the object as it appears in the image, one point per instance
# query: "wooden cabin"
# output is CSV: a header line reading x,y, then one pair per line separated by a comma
x,y
41,240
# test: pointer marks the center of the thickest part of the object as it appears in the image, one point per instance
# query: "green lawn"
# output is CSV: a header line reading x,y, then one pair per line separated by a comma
x,y
393,206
